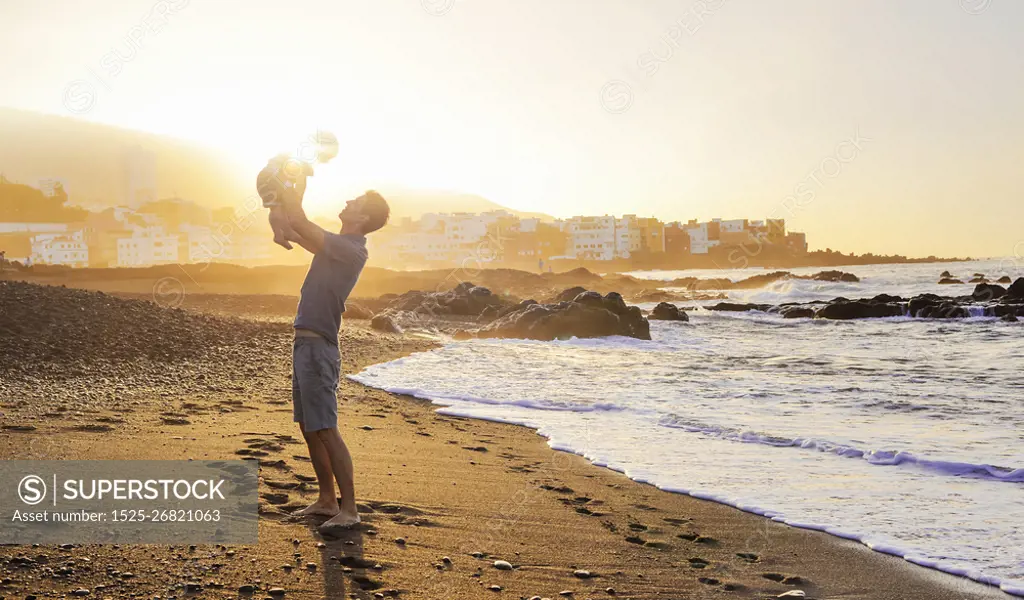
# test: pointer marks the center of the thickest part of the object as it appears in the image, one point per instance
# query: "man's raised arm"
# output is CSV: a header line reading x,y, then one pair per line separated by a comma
x,y
312,234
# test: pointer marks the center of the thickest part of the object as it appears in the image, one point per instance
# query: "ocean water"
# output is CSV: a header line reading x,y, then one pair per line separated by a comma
x,y
904,434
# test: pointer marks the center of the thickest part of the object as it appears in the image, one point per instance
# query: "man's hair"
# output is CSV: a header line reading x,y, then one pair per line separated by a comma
x,y
376,208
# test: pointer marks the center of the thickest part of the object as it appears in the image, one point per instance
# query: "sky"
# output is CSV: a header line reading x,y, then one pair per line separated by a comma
x,y
873,125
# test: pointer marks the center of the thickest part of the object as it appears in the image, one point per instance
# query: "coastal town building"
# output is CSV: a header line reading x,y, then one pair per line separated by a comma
x,y
147,246
652,235
67,249
677,239
591,238
146,232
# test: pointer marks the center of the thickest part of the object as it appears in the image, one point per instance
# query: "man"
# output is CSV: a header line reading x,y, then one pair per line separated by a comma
x,y
316,361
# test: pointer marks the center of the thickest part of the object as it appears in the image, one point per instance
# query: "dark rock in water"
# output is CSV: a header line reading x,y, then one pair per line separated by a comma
x,y
919,302
988,291
522,305
1004,279
797,312
1002,310
587,315
465,299
1010,318
886,299
978,279
949,281
355,310
653,296
1016,289
668,312
835,276
569,295
384,322
945,310
758,281
858,309
978,275
946,275
733,307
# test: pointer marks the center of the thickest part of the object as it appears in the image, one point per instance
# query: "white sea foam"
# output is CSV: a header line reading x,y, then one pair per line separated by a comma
x,y
903,434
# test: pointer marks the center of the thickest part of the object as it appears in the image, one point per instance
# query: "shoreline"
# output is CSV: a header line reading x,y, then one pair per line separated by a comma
x,y
430,486
955,578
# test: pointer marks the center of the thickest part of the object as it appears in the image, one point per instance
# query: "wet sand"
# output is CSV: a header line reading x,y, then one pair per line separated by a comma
x,y
442,499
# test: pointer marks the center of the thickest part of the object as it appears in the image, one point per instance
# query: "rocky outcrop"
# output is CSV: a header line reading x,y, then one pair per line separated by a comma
x,y
464,300
668,312
653,296
587,315
1016,289
843,309
1004,279
919,303
385,322
988,300
568,295
887,299
734,307
354,310
796,312
988,291
949,281
943,310
835,276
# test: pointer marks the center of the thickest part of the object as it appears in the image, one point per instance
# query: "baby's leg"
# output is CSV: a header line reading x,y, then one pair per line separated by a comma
x,y
281,227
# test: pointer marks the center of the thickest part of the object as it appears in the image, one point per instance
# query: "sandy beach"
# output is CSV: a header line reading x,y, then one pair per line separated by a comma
x,y
443,499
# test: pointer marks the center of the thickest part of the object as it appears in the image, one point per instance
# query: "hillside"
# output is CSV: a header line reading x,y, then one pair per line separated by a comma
x,y
90,158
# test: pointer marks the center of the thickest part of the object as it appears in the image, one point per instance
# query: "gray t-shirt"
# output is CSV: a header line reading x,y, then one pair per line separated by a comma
x,y
330,279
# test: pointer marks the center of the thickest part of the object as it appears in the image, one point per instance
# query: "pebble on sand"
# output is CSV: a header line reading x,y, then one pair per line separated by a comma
x,y
793,594
502,565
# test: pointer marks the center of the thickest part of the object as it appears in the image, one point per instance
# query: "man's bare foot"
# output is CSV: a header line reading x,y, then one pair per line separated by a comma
x,y
340,522
319,508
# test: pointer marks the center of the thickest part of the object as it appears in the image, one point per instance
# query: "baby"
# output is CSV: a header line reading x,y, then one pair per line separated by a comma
x,y
284,180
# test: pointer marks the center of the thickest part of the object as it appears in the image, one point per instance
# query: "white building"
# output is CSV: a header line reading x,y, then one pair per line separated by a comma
x,y
733,225
699,241
60,249
201,244
442,238
591,238
628,237
147,246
